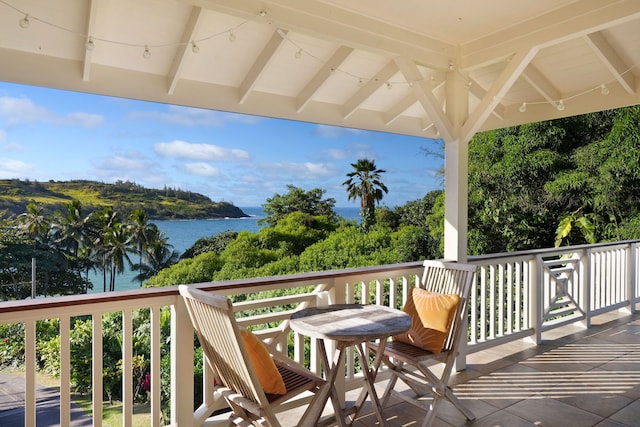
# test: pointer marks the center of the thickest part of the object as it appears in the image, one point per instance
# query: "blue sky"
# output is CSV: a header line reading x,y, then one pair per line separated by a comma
x,y
50,134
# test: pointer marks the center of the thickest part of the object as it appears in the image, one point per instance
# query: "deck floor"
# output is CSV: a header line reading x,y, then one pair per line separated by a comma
x,y
576,377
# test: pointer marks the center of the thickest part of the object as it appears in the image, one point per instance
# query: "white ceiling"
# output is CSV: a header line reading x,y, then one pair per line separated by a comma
x,y
416,67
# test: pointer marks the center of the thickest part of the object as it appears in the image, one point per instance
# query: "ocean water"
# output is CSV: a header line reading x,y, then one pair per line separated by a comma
x,y
182,234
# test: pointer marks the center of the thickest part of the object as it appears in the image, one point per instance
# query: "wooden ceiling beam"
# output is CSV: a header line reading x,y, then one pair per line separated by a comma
x,y
369,88
321,76
261,63
181,56
609,57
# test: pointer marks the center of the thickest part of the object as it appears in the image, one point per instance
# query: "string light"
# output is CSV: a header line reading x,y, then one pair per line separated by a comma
x,y
25,22
89,45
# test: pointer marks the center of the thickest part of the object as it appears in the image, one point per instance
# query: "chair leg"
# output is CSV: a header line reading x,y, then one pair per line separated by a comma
x,y
458,404
391,384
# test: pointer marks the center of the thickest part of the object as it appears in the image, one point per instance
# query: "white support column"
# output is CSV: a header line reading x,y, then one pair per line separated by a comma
x,y
456,169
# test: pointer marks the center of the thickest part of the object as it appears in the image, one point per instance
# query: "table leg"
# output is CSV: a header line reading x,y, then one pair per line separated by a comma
x,y
370,374
328,389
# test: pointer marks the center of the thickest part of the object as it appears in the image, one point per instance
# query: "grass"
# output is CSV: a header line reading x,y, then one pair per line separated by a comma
x,y
111,412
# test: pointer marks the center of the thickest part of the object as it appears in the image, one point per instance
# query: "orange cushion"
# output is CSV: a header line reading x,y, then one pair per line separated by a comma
x,y
268,375
431,317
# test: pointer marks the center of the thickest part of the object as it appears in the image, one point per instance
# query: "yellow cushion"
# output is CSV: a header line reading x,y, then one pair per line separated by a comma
x,y
431,317
268,375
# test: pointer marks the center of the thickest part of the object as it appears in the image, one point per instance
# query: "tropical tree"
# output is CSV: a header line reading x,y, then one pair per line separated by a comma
x,y
158,255
140,232
364,183
71,230
297,200
34,223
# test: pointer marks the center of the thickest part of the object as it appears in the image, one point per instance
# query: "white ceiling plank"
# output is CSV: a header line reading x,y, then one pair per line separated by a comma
x,y
541,84
261,63
181,55
369,88
340,26
498,89
325,72
613,62
570,22
399,108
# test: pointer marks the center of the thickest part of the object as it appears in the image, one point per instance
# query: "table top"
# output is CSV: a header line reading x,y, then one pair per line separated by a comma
x,y
350,322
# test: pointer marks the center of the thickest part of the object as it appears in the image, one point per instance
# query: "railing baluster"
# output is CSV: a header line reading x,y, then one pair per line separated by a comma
x,y
30,377
127,369
96,371
155,366
65,374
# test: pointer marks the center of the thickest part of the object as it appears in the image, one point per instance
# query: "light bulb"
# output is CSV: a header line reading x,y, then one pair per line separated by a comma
x,y
560,105
604,89
89,45
232,36
25,22
523,107
147,53
194,47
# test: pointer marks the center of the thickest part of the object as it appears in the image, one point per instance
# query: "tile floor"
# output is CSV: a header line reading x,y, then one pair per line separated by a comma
x,y
576,377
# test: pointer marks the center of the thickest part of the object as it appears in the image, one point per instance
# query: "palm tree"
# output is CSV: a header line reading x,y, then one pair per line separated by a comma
x,y
34,223
71,228
364,183
158,254
118,248
140,232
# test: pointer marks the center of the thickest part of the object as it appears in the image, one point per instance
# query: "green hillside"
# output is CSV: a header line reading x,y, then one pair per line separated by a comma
x,y
167,203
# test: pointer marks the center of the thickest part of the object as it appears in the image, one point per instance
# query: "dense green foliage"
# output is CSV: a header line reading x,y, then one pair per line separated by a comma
x,y
68,245
297,200
568,181
124,197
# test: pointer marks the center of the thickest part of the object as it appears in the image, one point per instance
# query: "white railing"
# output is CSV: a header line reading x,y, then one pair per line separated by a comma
x,y
516,295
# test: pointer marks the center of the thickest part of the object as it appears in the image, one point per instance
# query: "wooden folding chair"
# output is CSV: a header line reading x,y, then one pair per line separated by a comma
x,y
412,365
220,336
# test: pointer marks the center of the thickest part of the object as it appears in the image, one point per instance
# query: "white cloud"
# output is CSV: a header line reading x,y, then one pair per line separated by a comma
x,y
86,120
351,152
12,146
11,168
186,150
21,110
202,169
326,131
124,163
187,116
336,154
301,171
